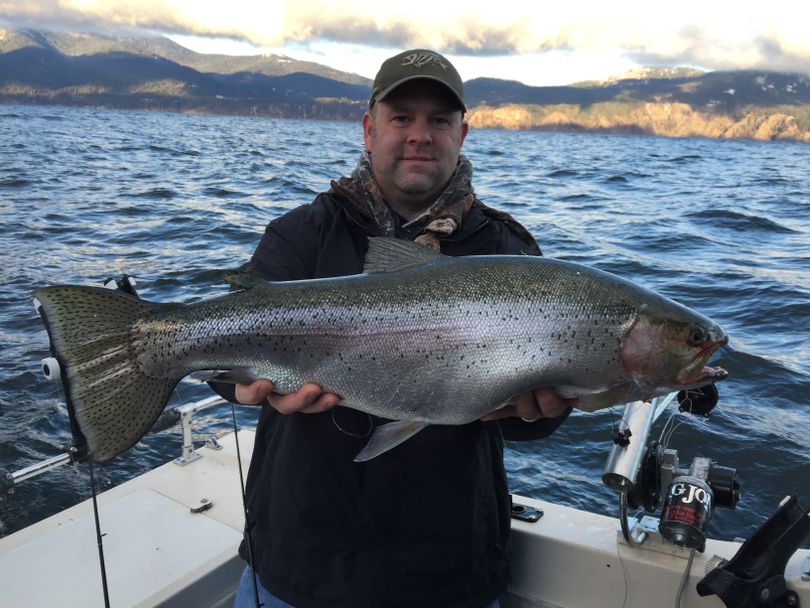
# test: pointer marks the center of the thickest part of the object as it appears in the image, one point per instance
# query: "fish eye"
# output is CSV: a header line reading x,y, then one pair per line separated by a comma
x,y
696,336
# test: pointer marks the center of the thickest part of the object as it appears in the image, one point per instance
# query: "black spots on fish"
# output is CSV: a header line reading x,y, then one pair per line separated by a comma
x,y
509,315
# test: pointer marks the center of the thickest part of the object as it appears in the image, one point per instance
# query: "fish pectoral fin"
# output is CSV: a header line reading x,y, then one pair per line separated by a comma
x,y
236,375
387,436
592,400
386,254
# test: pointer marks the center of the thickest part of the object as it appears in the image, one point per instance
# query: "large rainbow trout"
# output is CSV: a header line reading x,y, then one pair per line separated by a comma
x,y
419,338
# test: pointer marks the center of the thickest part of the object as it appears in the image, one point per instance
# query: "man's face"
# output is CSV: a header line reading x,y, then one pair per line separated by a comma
x,y
414,136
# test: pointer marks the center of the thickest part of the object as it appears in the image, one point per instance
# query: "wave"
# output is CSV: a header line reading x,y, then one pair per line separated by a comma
x,y
15,182
740,222
563,173
223,192
158,193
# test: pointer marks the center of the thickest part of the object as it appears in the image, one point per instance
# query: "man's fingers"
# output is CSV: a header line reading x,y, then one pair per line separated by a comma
x,y
253,393
529,406
323,403
550,404
309,399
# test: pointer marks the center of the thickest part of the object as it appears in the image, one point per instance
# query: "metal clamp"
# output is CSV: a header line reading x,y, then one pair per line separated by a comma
x,y
189,454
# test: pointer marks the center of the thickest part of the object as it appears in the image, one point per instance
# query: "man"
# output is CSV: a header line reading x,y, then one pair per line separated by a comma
x,y
426,523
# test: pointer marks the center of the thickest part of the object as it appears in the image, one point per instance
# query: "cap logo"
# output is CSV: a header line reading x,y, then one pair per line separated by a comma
x,y
421,59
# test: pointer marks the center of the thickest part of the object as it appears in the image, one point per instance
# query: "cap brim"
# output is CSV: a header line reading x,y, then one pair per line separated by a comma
x,y
390,88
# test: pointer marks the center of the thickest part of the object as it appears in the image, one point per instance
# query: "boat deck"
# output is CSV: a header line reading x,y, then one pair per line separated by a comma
x,y
171,538
156,549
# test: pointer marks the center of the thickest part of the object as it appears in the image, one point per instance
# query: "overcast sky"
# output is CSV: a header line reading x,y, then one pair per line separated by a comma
x,y
536,42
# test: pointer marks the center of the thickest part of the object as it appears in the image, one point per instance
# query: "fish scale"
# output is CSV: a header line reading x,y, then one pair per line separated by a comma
x,y
419,338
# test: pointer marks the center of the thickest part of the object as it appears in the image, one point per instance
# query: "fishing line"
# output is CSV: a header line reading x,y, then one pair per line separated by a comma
x,y
624,574
94,493
685,578
686,407
99,535
670,427
248,539
667,430
363,435
671,432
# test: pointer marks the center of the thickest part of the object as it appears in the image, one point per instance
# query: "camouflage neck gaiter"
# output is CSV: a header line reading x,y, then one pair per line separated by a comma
x,y
442,218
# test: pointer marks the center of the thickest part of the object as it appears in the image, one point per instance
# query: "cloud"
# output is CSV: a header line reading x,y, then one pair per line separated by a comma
x,y
236,18
718,34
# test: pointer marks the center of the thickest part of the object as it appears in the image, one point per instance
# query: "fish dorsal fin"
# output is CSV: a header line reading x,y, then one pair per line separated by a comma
x,y
239,279
387,254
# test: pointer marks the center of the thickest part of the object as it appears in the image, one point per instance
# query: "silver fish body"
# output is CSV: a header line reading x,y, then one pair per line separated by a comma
x,y
419,337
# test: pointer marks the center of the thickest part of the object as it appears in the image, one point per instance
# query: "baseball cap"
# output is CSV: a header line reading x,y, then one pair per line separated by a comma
x,y
413,64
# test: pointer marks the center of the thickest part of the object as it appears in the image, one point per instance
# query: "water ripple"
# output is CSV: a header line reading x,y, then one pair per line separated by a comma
x,y
736,220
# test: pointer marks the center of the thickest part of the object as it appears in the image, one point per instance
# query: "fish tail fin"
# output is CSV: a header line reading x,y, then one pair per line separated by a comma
x,y
112,403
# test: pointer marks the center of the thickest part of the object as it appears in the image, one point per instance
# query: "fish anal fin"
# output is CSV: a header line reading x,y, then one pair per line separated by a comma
x,y
386,254
590,401
387,436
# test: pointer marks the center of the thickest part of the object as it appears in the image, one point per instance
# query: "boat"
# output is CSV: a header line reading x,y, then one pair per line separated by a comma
x,y
169,538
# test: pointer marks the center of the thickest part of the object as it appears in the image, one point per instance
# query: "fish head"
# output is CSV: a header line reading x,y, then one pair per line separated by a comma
x,y
669,351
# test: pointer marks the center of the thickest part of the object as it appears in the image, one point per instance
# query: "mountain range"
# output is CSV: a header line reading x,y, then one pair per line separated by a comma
x,y
154,73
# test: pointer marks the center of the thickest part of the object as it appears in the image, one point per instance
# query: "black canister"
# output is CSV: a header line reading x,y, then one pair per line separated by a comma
x,y
687,509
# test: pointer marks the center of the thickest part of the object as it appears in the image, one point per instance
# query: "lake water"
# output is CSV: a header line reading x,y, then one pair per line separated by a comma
x,y
173,200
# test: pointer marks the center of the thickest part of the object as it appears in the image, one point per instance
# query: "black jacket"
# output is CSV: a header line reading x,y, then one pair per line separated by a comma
x,y
423,525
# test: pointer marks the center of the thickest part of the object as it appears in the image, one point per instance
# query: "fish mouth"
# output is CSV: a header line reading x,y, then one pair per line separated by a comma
x,y
710,375
705,374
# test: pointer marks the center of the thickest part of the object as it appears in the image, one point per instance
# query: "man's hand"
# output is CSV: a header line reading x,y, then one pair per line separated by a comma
x,y
538,403
309,399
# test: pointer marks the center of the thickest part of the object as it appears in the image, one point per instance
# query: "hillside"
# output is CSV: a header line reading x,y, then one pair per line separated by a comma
x,y
92,44
37,70
741,104
157,74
